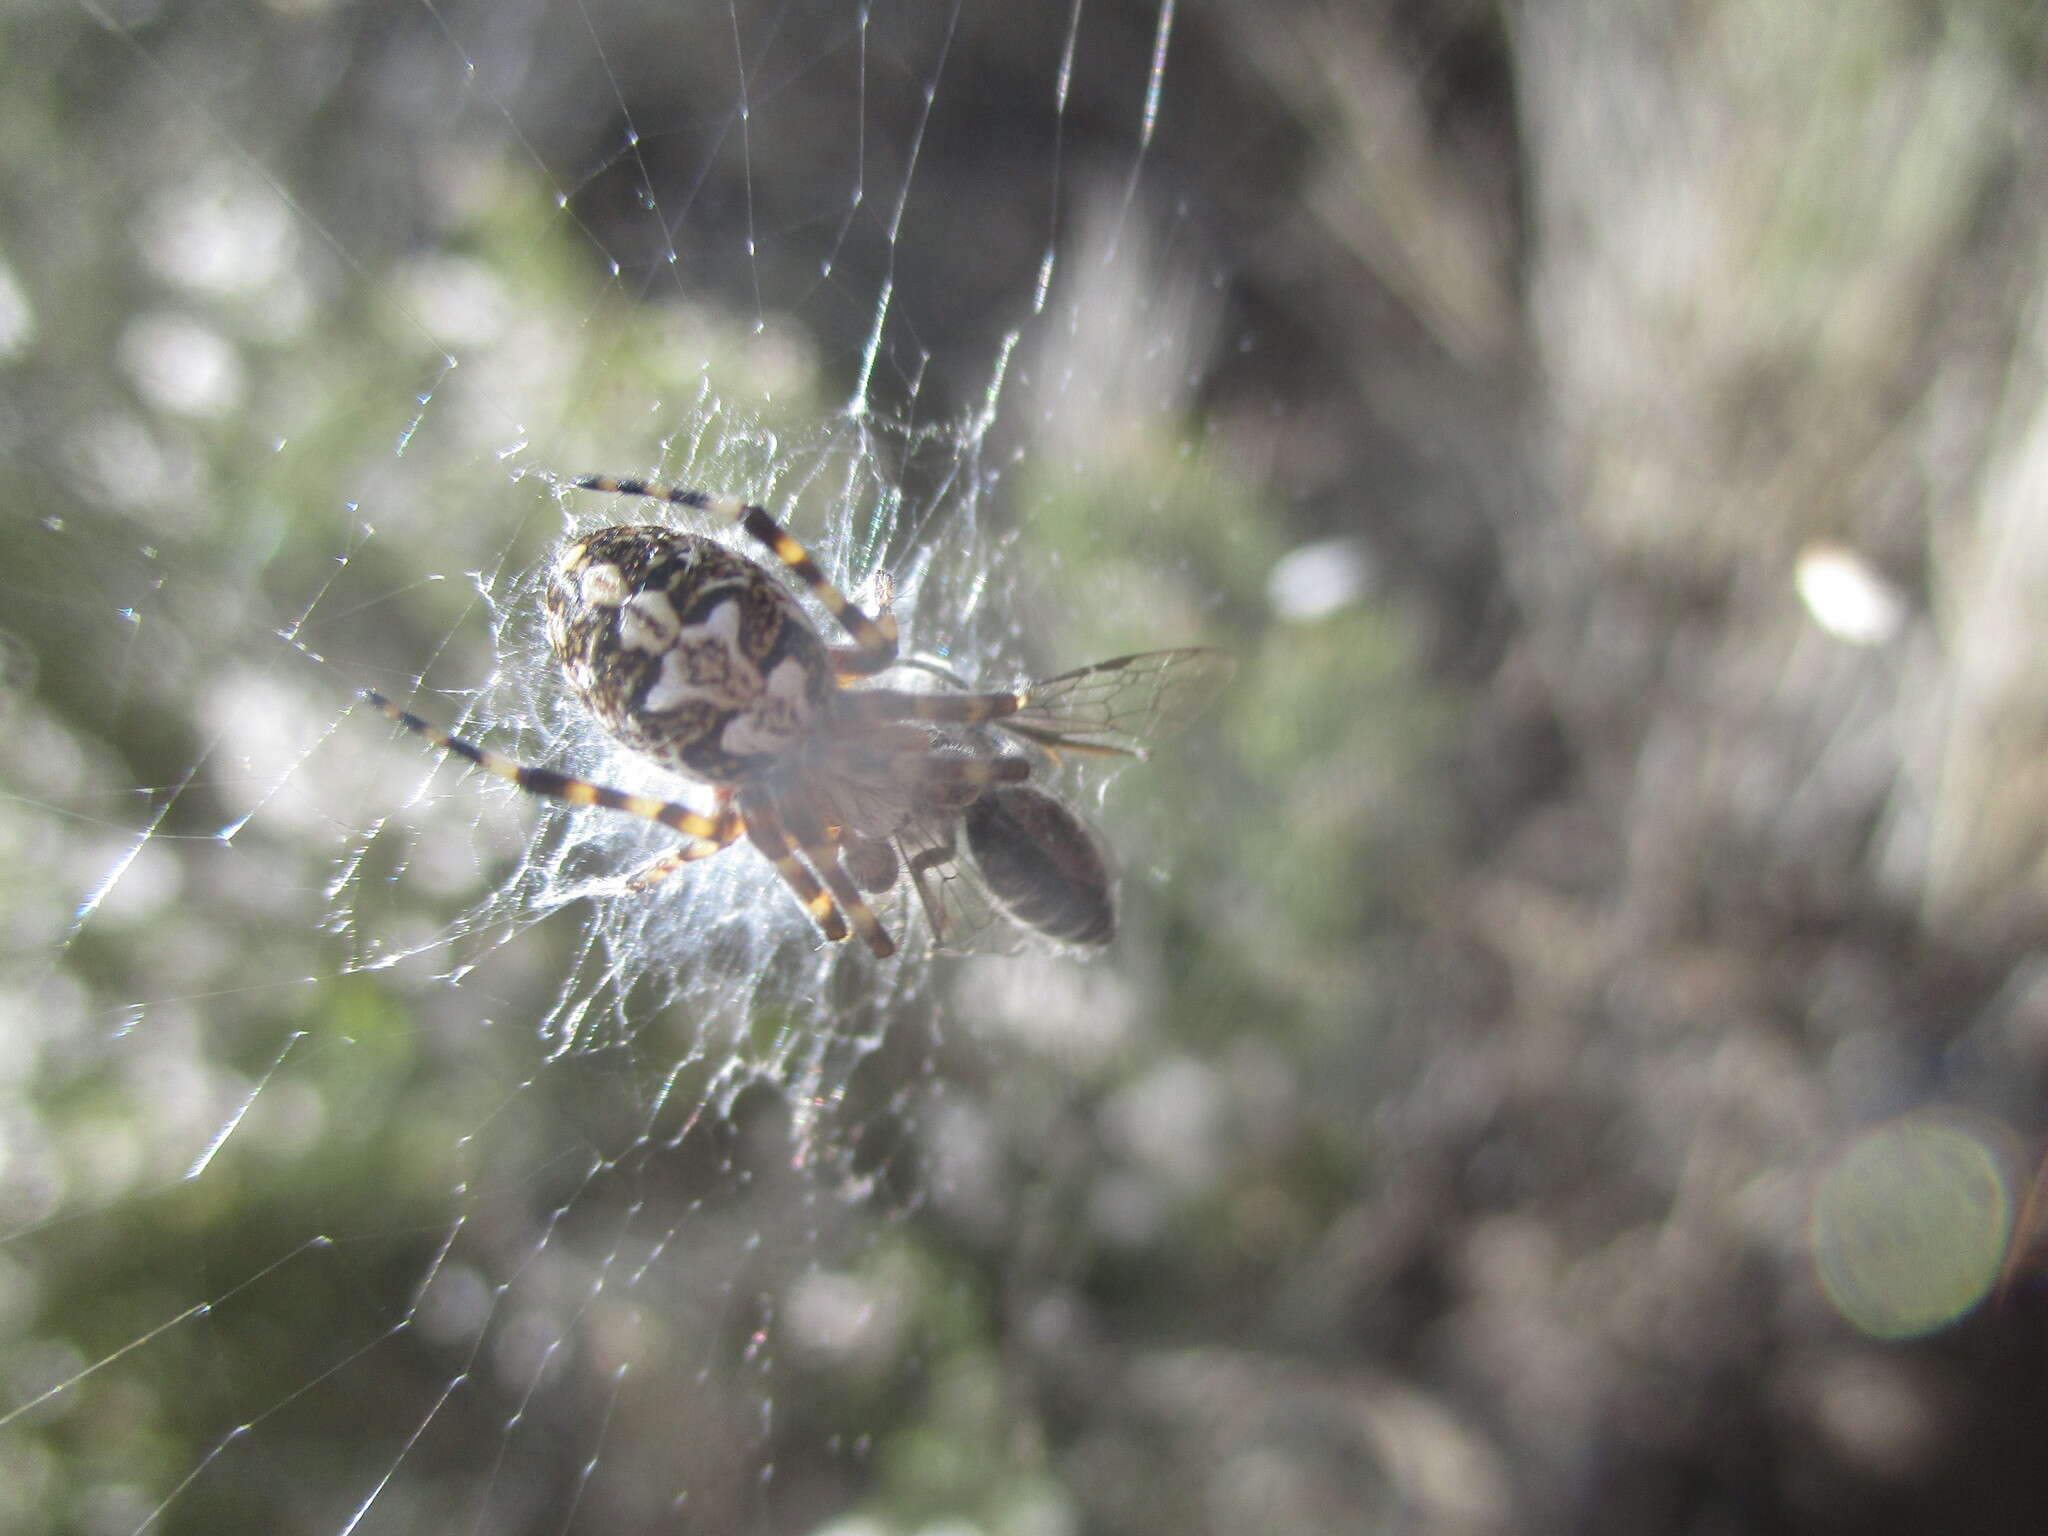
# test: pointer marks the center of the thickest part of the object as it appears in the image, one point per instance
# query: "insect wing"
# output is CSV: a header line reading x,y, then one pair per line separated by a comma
x,y
1116,707
940,881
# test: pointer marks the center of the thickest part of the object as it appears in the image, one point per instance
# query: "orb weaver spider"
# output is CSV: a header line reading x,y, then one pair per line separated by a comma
x,y
701,661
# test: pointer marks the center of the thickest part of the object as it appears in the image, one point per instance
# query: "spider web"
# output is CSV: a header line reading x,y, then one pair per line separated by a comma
x,y
1591,959
420,1123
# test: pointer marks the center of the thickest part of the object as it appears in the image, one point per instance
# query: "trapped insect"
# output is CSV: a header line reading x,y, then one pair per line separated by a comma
x,y
703,662
995,864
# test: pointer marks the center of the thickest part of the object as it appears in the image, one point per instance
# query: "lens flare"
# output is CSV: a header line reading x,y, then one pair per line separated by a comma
x,y
1909,1226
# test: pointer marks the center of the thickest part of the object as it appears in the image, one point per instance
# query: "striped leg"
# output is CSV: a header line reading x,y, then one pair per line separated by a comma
x,y
808,832
706,834
853,662
765,829
971,772
650,875
869,706
874,639
826,859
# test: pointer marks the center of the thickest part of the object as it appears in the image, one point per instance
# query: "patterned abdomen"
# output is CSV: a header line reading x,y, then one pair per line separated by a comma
x,y
686,652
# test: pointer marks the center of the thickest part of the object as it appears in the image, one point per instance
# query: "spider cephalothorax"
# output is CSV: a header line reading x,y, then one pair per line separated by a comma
x,y
700,660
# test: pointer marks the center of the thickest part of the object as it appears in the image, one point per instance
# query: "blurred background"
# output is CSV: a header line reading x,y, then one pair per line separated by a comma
x,y
1574,1058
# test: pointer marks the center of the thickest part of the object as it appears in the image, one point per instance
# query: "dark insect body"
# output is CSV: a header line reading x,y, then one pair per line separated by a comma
x,y
1044,865
701,661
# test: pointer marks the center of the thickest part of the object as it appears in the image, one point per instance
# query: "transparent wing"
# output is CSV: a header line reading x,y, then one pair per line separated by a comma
x,y
940,881
1118,706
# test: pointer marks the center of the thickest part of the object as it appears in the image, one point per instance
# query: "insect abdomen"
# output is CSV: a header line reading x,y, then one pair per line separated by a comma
x,y
1043,864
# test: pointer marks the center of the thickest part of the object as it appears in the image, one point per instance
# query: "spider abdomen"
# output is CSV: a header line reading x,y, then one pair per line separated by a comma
x,y
686,652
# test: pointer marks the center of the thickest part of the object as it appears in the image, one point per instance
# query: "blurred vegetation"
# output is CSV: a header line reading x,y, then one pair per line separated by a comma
x,y
1575,1060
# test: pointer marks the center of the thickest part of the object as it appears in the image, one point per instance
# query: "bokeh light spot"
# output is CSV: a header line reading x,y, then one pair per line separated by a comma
x,y
1909,1226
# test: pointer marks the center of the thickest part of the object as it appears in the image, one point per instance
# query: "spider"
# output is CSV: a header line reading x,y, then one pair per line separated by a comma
x,y
700,660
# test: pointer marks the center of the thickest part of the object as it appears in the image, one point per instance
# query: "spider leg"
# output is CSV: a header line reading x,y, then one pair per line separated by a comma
x,y
826,857
868,706
652,874
976,772
852,662
1055,743
561,786
804,826
766,831
874,639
